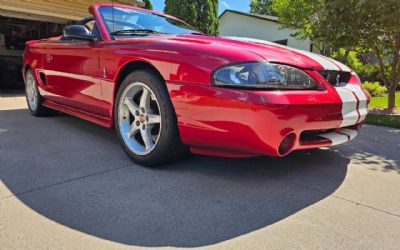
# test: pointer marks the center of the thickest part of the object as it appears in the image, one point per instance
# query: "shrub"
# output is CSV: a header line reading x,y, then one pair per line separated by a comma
x,y
367,72
375,89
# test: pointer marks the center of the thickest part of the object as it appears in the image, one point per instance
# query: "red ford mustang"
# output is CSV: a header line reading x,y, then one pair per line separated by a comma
x,y
165,88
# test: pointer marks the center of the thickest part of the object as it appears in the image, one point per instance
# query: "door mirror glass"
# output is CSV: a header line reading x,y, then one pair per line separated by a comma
x,y
78,32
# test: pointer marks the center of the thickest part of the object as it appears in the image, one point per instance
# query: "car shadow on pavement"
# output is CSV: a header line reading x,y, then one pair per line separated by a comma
x,y
75,173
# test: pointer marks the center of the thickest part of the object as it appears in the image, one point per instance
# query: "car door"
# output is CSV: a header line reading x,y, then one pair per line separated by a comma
x,y
71,68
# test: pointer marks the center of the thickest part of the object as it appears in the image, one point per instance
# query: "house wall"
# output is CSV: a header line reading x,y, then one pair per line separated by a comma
x,y
233,24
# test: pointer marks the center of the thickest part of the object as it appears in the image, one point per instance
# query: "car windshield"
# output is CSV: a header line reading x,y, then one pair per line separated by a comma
x,y
125,21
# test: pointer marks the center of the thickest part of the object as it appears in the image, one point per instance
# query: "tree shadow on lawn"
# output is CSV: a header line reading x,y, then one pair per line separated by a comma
x,y
76,174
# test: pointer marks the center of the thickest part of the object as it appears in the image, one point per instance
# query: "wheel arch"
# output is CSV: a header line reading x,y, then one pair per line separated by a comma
x,y
25,68
131,67
128,68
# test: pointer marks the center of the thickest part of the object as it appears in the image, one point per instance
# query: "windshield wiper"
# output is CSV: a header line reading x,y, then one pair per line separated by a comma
x,y
135,32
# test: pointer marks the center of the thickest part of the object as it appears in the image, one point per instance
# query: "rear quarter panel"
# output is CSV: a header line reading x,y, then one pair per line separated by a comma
x,y
33,58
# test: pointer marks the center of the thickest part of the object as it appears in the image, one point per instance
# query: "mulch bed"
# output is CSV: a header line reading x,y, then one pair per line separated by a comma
x,y
383,111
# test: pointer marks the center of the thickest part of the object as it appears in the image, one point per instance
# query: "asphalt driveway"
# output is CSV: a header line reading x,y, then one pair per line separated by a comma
x,y
66,183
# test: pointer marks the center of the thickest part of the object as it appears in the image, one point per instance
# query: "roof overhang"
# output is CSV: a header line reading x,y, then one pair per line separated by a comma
x,y
56,11
37,16
274,19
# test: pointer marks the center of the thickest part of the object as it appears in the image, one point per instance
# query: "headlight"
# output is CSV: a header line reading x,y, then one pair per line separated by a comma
x,y
263,75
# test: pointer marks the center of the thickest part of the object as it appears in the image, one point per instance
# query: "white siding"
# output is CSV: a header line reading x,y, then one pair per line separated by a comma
x,y
233,24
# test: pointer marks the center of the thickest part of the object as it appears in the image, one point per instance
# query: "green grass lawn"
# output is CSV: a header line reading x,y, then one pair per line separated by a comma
x,y
382,102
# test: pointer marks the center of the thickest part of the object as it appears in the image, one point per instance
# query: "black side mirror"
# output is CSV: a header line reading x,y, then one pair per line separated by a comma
x,y
78,32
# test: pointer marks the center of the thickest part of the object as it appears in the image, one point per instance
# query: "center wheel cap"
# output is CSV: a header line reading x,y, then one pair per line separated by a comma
x,y
142,118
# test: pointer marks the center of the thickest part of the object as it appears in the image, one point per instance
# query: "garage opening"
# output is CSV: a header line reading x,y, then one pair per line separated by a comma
x,y
24,20
14,32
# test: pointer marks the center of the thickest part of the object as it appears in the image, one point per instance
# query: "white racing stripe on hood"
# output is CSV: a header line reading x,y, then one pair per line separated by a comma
x,y
326,63
341,65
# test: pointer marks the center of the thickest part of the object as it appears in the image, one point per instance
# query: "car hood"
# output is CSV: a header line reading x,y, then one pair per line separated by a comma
x,y
239,48
274,52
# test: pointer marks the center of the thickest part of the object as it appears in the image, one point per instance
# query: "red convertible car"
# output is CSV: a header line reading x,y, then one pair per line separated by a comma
x,y
166,87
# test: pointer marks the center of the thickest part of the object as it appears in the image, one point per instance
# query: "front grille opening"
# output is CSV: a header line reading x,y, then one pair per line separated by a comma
x,y
335,78
313,137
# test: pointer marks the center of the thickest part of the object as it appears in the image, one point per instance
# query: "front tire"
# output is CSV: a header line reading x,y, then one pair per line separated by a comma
x,y
33,97
145,120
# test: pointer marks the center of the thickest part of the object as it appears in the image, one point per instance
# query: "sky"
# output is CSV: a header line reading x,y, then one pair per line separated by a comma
x,y
241,5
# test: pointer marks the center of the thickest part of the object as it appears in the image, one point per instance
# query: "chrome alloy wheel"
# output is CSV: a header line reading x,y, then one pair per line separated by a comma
x,y
31,91
139,118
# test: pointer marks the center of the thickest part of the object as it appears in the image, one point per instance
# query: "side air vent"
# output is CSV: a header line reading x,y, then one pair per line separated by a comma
x,y
336,78
42,77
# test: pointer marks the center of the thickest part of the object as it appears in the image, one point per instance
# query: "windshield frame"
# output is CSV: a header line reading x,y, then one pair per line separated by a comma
x,y
100,8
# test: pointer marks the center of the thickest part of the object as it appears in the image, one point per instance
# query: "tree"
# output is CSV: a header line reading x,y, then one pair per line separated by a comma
x,y
148,5
263,7
303,17
202,14
372,26
368,25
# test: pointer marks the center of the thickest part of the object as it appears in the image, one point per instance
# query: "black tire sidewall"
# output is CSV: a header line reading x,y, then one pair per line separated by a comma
x,y
40,109
38,99
169,146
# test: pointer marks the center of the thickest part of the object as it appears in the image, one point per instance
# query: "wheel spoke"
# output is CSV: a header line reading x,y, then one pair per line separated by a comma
x,y
139,118
147,138
145,100
131,106
133,129
153,119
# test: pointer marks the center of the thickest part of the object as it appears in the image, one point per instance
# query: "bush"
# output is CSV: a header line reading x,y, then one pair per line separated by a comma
x,y
375,89
366,72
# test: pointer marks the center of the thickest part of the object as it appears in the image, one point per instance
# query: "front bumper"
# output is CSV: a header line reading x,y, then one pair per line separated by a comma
x,y
229,122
